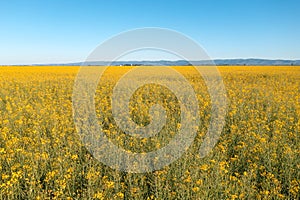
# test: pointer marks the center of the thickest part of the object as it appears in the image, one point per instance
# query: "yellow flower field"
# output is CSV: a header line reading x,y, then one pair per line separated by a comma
x,y
256,157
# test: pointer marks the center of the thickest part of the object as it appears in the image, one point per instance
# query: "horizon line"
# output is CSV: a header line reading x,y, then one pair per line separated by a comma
x,y
162,60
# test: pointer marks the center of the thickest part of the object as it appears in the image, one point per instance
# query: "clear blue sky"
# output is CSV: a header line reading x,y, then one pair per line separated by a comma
x,y
55,31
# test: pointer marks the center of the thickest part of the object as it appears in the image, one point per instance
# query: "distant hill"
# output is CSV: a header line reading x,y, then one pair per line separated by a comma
x,y
251,61
259,62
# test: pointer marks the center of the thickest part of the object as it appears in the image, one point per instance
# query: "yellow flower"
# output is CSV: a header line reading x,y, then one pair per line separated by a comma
x,y
120,195
199,182
110,184
204,167
196,189
99,195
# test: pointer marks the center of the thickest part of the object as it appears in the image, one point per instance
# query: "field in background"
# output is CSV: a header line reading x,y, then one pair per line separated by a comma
x,y
257,156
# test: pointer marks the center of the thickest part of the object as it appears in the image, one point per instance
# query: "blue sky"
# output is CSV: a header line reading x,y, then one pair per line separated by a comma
x,y
56,31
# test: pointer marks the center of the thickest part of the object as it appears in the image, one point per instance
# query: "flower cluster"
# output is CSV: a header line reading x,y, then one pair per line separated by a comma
x,y
257,156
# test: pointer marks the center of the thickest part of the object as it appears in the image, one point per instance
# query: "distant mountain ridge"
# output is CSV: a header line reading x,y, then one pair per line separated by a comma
x,y
246,62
